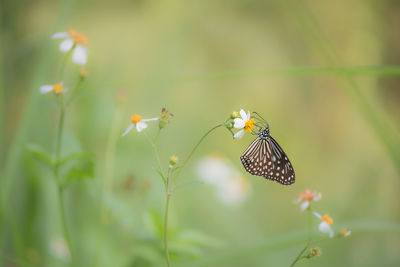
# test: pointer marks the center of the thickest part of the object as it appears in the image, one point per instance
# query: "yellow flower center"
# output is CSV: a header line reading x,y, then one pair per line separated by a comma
x,y
326,218
249,125
345,232
136,118
58,88
307,195
79,38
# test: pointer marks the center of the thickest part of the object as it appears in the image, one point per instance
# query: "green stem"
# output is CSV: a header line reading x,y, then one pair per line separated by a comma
x,y
309,226
56,175
194,149
62,68
299,256
64,221
168,195
154,147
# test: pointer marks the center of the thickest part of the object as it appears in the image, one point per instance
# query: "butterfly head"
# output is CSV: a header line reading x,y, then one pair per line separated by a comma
x,y
264,134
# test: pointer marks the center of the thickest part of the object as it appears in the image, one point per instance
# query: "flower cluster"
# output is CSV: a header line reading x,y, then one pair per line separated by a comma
x,y
241,121
308,197
231,187
76,43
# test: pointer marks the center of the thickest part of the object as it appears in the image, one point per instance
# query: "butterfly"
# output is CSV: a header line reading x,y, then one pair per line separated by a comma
x,y
264,157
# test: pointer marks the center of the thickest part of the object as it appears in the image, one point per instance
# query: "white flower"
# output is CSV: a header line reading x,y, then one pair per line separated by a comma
x,y
74,40
245,123
231,187
307,197
139,122
57,88
325,224
59,248
345,232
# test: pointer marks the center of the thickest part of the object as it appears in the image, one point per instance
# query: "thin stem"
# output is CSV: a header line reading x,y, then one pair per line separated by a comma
x,y
194,149
56,175
299,256
168,195
62,68
309,229
59,138
154,147
64,220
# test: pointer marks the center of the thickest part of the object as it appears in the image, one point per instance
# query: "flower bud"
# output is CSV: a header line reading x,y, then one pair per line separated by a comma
x,y
234,115
164,118
172,161
314,252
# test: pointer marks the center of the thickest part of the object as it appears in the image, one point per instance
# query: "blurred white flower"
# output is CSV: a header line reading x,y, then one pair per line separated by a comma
x,y
57,88
139,123
234,191
245,123
231,187
59,249
74,40
345,232
306,198
325,224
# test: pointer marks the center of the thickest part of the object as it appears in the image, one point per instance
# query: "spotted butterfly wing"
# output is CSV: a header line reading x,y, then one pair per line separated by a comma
x,y
264,157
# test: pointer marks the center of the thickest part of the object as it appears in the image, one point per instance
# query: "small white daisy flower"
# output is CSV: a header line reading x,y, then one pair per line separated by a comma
x,y
57,88
345,232
74,40
325,224
245,123
139,123
306,198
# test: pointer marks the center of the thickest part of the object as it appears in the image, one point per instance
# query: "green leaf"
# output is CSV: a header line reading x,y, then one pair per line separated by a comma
x,y
77,167
75,156
161,175
39,153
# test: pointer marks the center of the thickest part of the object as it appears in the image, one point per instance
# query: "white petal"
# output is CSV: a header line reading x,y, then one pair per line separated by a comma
x,y
238,123
317,197
325,228
243,115
153,119
140,126
128,129
304,205
66,45
60,35
239,134
248,115
316,214
44,89
79,56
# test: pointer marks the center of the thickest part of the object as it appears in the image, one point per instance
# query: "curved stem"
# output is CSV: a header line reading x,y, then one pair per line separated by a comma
x,y
194,149
154,147
167,190
309,226
299,256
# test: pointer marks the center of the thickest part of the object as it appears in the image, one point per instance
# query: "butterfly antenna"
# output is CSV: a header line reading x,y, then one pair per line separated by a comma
x,y
260,117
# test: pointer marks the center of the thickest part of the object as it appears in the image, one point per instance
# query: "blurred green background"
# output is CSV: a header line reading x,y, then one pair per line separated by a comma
x,y
323,73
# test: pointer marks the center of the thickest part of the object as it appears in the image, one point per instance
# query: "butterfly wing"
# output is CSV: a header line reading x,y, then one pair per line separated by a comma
x,y
264,157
